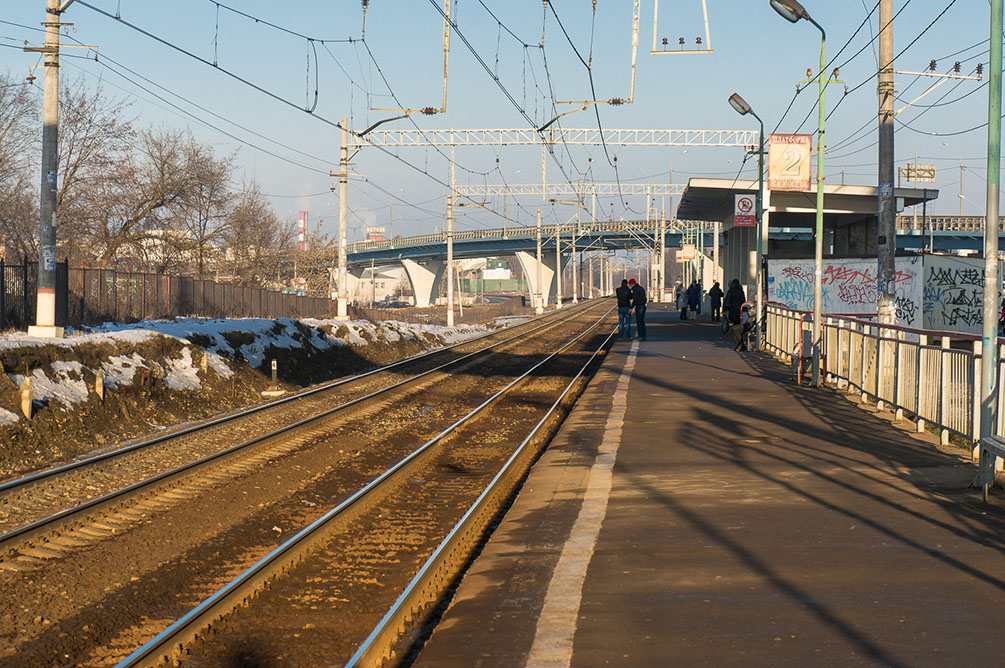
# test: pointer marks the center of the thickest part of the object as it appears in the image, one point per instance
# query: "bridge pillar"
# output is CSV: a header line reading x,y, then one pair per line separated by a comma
x,y
425,280
528,263
354,285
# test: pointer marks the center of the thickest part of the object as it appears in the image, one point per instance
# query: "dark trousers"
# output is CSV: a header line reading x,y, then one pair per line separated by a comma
x,y
624,322
716,311
640,320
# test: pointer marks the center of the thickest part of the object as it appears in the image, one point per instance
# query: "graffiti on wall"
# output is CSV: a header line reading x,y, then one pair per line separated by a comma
x,y
954,294
849,286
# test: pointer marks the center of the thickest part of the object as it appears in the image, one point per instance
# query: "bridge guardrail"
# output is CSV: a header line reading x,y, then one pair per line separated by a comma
x,y
912,371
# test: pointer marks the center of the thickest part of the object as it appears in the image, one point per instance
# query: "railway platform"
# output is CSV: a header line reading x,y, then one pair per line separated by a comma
x,y
698,508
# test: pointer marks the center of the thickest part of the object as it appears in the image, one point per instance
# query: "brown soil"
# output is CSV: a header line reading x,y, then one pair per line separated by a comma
x,y
56,434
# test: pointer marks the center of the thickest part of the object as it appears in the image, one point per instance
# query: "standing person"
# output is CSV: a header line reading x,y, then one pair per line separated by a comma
x,y
693,298
741,330
624,295
639,304
682,302
734,302
715,301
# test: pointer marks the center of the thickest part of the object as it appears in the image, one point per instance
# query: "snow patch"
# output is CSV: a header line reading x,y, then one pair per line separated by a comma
x,y
7,417
181,374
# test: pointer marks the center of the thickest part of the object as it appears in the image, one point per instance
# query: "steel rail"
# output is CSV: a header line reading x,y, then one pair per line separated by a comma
x,y
38,476
38,528
434,577
170,642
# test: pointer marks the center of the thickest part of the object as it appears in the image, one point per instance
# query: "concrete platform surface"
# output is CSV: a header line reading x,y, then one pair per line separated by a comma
x,y
699,509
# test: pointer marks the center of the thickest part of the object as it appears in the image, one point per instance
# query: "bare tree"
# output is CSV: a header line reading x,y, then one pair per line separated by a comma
x,y
95,141
204,216
18,139
254,233
132,206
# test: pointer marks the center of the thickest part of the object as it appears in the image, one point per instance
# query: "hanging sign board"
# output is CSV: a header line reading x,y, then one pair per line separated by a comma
x,y
789,162
680,256
688,251
744,211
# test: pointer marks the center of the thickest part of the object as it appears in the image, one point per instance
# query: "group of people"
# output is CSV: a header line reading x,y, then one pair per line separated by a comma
x,y
689,301
732,302
631,295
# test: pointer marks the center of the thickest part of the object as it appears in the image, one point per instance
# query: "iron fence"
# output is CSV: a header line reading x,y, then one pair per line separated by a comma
x,y
92,296
933,376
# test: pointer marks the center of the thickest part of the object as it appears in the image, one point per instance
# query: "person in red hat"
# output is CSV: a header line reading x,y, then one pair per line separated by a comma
x,y
639,304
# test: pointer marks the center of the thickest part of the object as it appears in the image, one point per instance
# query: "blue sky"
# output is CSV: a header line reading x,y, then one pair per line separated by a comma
x,y
756,53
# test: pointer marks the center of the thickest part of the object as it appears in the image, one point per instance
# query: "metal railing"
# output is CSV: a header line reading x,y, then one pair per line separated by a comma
x,y
930,375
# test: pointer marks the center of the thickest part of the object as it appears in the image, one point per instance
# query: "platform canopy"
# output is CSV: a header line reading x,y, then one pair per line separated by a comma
x,y
713,200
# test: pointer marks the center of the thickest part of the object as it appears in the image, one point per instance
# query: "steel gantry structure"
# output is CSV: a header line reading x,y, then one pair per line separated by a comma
x,y
531,137
545,138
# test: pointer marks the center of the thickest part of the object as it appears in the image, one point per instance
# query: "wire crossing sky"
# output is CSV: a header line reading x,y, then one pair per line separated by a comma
x,y
269,81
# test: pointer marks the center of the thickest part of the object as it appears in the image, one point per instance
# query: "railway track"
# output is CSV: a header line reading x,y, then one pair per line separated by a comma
x,y
32,508
394,545
178,545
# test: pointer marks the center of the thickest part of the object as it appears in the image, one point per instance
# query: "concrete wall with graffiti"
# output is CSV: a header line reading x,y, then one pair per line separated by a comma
x,y
938,292
850,286
954,293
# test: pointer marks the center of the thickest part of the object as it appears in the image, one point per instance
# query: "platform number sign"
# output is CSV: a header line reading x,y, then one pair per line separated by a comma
x,y
789,162
744,214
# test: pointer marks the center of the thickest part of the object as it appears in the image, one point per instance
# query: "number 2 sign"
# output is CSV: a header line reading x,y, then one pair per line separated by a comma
x,y
789,162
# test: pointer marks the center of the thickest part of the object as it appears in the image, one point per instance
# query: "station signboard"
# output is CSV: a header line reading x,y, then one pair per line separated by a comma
x,y
789,162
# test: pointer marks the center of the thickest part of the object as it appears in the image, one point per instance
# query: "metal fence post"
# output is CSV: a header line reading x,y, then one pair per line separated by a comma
x,y
975,395
918,385
944,398
898,390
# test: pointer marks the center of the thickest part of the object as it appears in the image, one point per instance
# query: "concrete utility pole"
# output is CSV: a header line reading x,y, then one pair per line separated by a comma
x,y
886,239
450,246
45,312
575,273
989,337
539,302
343,219
558,265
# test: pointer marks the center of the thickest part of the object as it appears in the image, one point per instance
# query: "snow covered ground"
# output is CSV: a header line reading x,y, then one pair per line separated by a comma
x,y
66,382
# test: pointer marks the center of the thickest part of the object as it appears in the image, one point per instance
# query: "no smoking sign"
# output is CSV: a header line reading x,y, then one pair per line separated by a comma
x,y
743,211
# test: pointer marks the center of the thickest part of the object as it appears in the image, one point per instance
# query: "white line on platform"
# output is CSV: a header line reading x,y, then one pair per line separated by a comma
x,y
556,625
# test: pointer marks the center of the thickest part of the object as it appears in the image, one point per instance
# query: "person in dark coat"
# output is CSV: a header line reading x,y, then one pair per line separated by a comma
x,y
715,301
639,304
694,298
734,302
624,295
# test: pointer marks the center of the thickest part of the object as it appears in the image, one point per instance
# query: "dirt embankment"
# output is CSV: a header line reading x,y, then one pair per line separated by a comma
x,y
160,373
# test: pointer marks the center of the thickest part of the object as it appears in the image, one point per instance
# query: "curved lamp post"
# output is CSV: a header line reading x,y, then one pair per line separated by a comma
x,y
742,108
792,11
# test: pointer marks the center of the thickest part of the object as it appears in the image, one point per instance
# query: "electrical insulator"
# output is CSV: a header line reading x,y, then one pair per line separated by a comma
x,y
615,102
681,41
931,66
835,75
429,111
809,72
665,42
698,41
980,68
956,67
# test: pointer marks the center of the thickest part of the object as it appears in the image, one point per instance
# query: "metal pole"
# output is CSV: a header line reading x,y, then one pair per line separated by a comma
x,y
989,339
343,219
818,240
762,236
539,306
886,239
45,308
450,245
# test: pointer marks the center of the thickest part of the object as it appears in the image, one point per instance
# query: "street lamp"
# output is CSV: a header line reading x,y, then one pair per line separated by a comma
x,y
792,11
742,108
